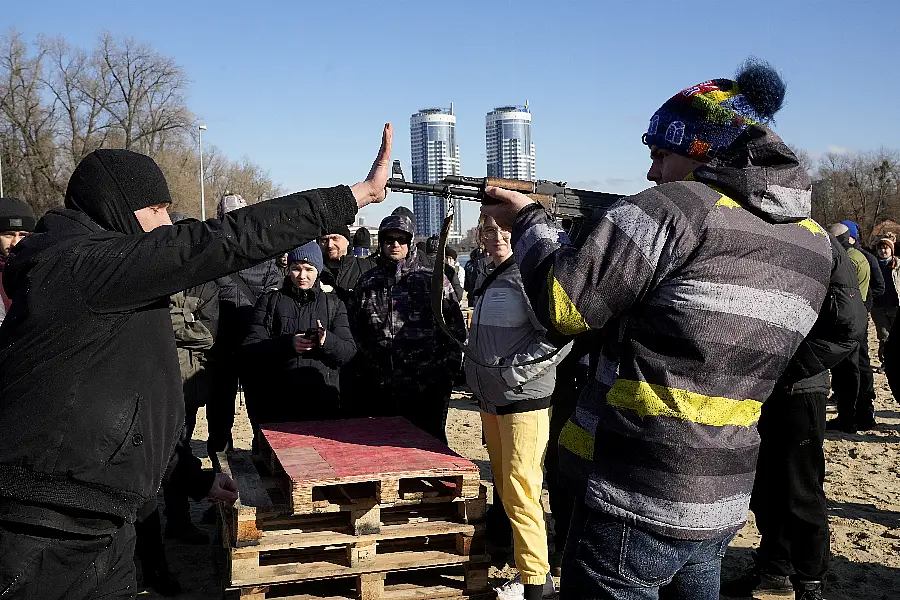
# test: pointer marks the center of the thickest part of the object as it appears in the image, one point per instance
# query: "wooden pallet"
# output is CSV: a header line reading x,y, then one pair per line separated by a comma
x,y
468,581
268,544
354,464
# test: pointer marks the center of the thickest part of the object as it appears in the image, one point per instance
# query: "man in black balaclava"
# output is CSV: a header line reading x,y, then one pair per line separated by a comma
x,y
90,393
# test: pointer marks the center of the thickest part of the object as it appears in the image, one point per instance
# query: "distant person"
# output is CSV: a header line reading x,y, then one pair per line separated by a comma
x,y
16,222
474,272
852,379
362,243
342,270
238,293
514,401
299,339
195,319
91,403
884,308
407,362
876,281
788,496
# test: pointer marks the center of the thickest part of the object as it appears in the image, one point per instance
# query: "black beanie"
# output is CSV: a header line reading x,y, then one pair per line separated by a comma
x,y
16,215
362,238
405,212
340,229
109,185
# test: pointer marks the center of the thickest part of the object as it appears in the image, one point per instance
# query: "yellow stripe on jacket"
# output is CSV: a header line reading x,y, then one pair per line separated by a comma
x,y
563,314
649,400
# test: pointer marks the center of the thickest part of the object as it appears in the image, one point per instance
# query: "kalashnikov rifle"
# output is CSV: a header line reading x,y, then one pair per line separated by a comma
x,y
578,211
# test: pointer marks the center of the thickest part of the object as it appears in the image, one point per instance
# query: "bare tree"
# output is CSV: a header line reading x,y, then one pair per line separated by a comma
x,y
29,131
146,102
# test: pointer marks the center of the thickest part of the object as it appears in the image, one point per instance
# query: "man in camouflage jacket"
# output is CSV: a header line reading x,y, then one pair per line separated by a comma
x,y
408,363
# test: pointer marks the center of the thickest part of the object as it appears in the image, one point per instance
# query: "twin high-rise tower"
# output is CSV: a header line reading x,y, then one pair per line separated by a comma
x,y
435,154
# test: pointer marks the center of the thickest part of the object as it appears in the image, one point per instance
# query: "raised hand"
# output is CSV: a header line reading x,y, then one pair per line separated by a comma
x,y
372,189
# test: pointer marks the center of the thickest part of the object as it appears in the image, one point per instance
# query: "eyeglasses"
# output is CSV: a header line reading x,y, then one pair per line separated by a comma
x,y
390,239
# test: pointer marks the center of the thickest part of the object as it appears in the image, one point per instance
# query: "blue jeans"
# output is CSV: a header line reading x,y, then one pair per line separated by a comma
x,y
609,559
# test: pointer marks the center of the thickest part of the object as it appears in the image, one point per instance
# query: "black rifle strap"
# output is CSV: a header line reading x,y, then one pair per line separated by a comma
x,y
437,305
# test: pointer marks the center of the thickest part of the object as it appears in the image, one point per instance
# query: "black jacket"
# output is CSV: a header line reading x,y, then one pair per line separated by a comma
x,y
345,277
876,279
842,322
287,386
90,392
236,307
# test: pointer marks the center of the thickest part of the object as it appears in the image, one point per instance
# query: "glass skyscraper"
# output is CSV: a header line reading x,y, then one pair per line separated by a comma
x,y
510,151
435,155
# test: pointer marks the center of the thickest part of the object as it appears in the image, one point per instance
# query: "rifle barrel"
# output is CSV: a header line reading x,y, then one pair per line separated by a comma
x,y
433,189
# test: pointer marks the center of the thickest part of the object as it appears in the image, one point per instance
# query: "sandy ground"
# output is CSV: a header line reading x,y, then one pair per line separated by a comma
x,y
862,484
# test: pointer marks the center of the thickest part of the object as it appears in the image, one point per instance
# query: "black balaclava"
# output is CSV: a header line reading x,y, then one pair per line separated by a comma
x,y
109,185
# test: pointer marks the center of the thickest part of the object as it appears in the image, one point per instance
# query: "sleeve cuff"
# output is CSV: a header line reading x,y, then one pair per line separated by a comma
x,y
338,207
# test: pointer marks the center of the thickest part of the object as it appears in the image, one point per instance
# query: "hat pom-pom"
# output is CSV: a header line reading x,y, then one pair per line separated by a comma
x,y
762,87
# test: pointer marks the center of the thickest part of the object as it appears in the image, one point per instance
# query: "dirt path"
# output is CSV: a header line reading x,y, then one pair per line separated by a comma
x,y
863,487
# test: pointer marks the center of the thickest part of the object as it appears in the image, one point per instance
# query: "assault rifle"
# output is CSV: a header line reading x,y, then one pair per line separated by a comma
x,y
578,210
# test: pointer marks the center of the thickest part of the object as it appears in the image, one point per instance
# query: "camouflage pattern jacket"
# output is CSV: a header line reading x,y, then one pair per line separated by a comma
x,y
400,343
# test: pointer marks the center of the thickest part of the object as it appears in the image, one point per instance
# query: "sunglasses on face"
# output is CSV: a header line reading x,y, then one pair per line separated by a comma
x,y
390,239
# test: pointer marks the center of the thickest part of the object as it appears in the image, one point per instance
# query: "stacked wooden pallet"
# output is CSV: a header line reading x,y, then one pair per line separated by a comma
x,y
366,509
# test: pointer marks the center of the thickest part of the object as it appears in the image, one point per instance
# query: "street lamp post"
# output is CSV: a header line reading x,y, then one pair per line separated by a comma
x,y
201,129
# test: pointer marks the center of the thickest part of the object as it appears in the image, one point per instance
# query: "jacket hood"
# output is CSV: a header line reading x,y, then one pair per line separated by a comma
x,y
109,185
760,172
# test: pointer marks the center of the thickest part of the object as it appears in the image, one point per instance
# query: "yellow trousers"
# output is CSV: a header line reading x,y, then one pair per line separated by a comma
x,y
516,444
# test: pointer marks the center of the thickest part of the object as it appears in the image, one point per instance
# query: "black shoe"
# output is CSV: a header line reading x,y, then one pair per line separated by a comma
x,y
163,582
187,533
757,580
809,590
839,424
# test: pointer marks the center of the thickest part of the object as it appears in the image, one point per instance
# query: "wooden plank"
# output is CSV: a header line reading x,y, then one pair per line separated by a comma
x,y
287,540
239,466
395,561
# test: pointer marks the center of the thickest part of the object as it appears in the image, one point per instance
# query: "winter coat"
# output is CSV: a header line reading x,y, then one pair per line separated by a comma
x,y
236,307
704,288
346,276
505,331
286,385
842,321
890,272
90,393
401,346
195,318
877,282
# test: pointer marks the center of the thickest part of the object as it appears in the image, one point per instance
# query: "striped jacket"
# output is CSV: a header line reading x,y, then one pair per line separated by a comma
x,y
705,289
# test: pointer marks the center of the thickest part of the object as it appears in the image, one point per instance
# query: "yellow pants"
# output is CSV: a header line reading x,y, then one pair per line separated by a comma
x,y
516,444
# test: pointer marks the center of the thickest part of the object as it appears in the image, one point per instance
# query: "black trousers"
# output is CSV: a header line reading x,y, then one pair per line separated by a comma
x,y
570,378
854,385
788,495
38,563
220,407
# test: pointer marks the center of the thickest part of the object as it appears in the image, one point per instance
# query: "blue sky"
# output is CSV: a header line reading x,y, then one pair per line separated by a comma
x,y
303,88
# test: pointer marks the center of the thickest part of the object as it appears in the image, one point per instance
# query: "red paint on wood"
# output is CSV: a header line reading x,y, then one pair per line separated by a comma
x,y
317,450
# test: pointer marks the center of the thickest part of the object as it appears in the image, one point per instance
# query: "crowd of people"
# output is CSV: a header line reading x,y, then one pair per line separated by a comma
x,y
662,378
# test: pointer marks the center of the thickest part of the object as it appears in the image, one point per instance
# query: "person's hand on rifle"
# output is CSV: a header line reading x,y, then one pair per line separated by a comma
x,y
373,188
505,211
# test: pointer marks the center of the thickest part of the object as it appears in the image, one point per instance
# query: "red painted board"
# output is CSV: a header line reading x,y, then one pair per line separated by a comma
x,y
316,450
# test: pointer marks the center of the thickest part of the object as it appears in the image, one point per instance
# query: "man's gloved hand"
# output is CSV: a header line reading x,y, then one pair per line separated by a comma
x,y
373,188
223,489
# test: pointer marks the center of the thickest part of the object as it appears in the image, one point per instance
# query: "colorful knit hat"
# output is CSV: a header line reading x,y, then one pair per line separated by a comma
x,y
702,121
